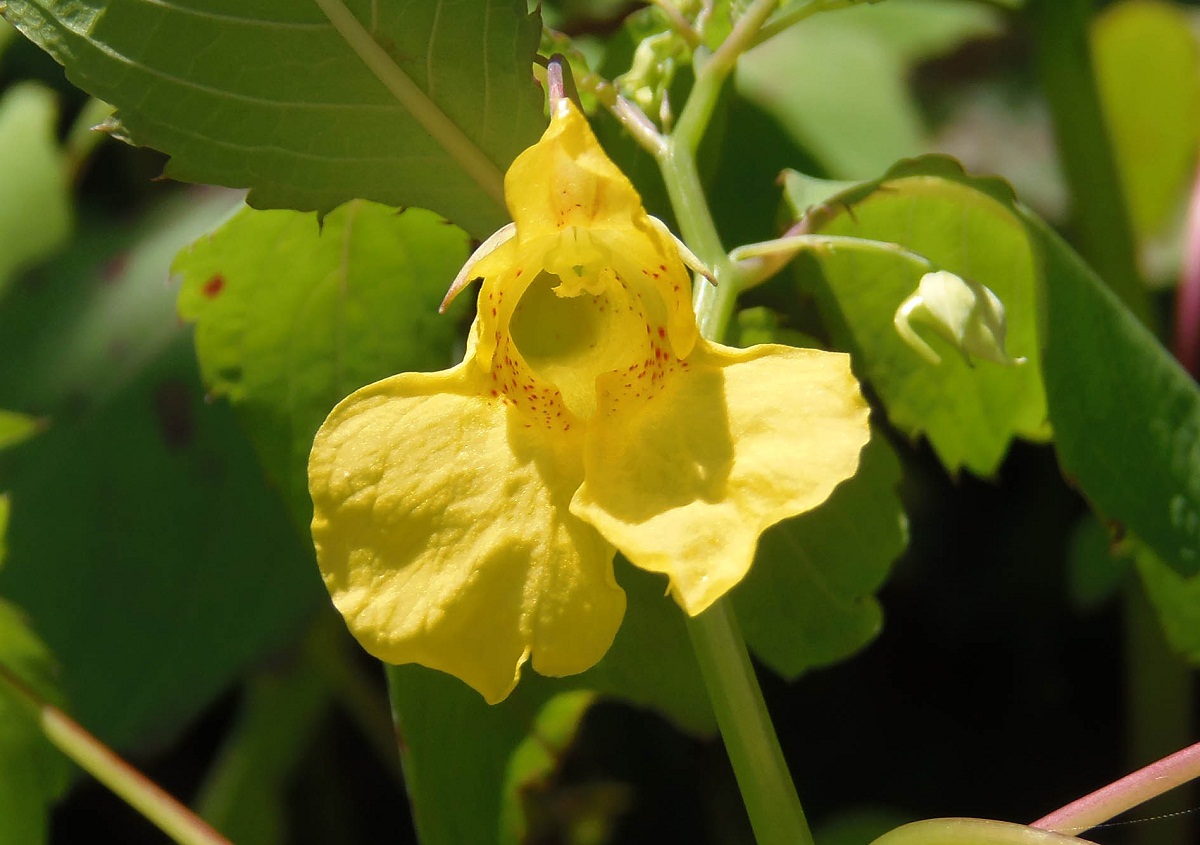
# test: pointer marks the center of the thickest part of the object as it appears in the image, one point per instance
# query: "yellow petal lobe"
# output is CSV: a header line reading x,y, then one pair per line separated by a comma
x,y
443,533
735,441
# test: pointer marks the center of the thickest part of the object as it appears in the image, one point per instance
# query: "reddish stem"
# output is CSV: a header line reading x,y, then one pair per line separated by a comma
x,y
1186,342
1124,794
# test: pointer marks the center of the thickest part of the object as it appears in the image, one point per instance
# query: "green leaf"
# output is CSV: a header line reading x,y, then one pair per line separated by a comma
x,y
1128,437
651,662
1095,569
292,316
1176,600
1148,74
147,548
530,812
1126,416
244,794
457,750
808,600
16,427
967,226
312,104
32,772
837,83
35,204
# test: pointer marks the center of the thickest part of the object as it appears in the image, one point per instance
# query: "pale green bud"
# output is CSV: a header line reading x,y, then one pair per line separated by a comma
x,y
965,313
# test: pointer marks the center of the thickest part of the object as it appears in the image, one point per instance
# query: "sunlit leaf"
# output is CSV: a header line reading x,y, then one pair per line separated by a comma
x,y
533,811
1127,436
35,206
279,97
32,772
970,413
292,316
1148,73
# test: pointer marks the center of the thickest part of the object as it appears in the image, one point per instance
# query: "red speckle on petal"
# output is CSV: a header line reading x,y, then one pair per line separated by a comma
x,y
214,286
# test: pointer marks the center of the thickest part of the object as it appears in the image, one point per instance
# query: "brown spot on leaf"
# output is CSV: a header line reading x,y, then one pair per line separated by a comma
x,y
214,286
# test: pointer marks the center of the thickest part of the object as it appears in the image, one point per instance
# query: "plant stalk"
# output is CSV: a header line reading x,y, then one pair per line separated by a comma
x,y
1125,794
98,760
1068,80
758,763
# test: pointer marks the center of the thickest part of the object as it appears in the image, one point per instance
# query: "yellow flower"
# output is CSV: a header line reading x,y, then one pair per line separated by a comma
x,y
467,520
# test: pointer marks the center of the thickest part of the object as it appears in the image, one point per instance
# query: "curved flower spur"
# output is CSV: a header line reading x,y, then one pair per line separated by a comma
x,y
468,519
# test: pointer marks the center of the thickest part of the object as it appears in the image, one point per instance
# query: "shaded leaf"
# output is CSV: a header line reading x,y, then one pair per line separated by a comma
x,y
246,787
967,226
1148,75
271,95
32,772
664,677
1126,416
456,751
1176,600
292,316
146,547
1095,570
808,600
35,204
533,811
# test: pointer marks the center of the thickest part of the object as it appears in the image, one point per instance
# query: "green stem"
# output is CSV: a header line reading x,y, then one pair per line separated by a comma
x,y
713,303
794,14
762,773
758,764
759,261
98,760
712,73
1064,63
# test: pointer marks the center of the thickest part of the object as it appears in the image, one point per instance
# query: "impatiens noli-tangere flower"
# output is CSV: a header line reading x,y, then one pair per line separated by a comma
x,y
467,520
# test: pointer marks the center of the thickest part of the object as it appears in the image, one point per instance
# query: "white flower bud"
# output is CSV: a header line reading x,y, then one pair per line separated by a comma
x,y
965,313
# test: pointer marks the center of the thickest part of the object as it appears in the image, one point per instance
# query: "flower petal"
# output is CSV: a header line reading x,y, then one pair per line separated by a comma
x,y
565,179
684,483
443,533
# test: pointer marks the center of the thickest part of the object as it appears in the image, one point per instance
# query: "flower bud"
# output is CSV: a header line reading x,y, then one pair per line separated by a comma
x,y
965,313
